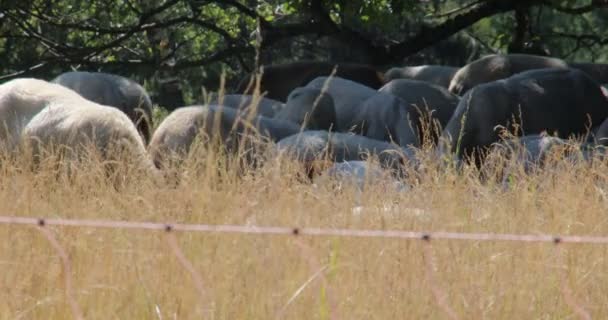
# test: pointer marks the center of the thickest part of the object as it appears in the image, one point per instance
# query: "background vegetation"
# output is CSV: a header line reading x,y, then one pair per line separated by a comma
x,y
194,41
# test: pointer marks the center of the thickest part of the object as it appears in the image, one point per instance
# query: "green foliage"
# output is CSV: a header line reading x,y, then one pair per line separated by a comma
x,y
196,41
158,115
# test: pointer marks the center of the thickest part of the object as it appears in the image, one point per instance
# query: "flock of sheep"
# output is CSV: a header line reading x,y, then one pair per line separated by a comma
x,y
315,110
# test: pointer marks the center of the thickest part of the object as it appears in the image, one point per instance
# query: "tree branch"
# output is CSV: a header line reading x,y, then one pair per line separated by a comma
x,y
578,10
522,25
457,10
385,54
150,13
24,71
243,8
427,36
593,38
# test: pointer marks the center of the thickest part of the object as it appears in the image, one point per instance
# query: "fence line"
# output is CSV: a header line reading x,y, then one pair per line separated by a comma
x,y
439,294
355,233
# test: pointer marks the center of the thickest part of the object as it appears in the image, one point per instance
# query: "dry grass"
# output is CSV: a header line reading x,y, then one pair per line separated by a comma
x,y
134,274
126,274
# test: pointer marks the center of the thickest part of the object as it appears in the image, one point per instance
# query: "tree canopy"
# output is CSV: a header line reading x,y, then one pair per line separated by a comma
x,y
194,41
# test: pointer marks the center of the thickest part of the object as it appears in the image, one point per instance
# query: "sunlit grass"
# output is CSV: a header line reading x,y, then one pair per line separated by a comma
x,y
134,274
131,274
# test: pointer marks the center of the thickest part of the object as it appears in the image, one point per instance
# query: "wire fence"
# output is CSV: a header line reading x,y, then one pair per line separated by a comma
x,y
440,295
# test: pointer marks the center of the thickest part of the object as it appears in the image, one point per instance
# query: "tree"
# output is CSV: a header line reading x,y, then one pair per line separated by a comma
x,y
196,40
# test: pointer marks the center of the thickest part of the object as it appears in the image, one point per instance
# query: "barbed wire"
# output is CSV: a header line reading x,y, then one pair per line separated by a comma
x,y
365,233
439,294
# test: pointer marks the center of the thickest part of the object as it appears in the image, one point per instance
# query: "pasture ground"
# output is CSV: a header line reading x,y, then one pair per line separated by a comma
x,y
129,274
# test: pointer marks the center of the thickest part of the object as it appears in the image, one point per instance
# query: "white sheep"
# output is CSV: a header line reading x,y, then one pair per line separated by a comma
x,y
21,100
48,115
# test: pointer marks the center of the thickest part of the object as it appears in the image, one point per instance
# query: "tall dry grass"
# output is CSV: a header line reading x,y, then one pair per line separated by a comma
x,y
130,274
135,275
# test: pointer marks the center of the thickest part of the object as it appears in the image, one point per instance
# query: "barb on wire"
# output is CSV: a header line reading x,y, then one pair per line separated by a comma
x,y
181,258
67,269
565,288
441,297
